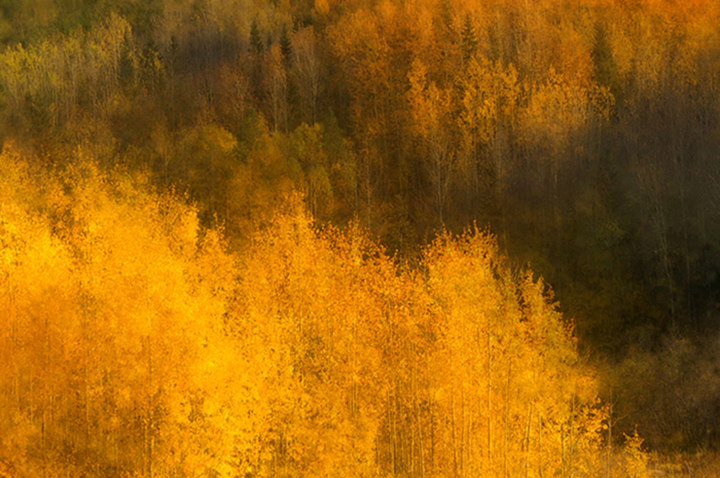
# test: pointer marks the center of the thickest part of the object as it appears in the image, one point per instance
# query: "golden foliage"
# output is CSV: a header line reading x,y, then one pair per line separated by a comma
x,y
133,342
113,310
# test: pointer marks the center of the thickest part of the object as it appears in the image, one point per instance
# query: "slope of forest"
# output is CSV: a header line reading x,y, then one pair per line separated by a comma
x,y
133,344
583,134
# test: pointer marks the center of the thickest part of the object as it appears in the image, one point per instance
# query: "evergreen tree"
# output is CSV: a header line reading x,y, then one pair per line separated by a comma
x,y
285,46
256,43
469,39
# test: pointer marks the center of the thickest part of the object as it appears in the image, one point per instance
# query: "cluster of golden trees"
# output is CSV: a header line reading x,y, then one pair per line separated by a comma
x,y
583,133
135,344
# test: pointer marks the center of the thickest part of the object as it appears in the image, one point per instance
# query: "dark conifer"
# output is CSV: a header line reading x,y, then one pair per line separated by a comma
x,y
285,46
469,39
256,44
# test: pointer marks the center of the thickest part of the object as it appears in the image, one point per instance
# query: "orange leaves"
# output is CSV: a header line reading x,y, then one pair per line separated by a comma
x,y
430,108
135,341
511,369
429,105
465,353
111,300
491,93
556,112
308,297
363,52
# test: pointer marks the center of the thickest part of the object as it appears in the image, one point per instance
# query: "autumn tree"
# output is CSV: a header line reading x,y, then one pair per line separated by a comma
x,y
496,335
118,360
324,346
583,133
430,109
307,68
276,87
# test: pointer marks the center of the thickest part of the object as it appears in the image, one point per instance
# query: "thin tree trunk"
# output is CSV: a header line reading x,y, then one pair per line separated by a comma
x,y
489,399
506,418
608,469
572,438
562,448
394,433
527,440
454,438
540,448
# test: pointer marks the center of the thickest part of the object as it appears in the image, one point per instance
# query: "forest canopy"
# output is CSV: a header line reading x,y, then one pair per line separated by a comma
x,y
134,344
163,161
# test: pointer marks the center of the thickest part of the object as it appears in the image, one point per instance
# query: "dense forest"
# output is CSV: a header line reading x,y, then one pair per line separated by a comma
x,y
295,238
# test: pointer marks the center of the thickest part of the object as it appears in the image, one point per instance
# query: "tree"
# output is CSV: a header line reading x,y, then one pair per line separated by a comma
x,y
118,358
469,39
276,86
306,147
307,70
513,377
326,377
430,108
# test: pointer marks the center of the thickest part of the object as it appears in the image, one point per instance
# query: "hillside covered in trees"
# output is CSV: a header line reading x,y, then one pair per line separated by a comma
x,y
249,237
134,344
